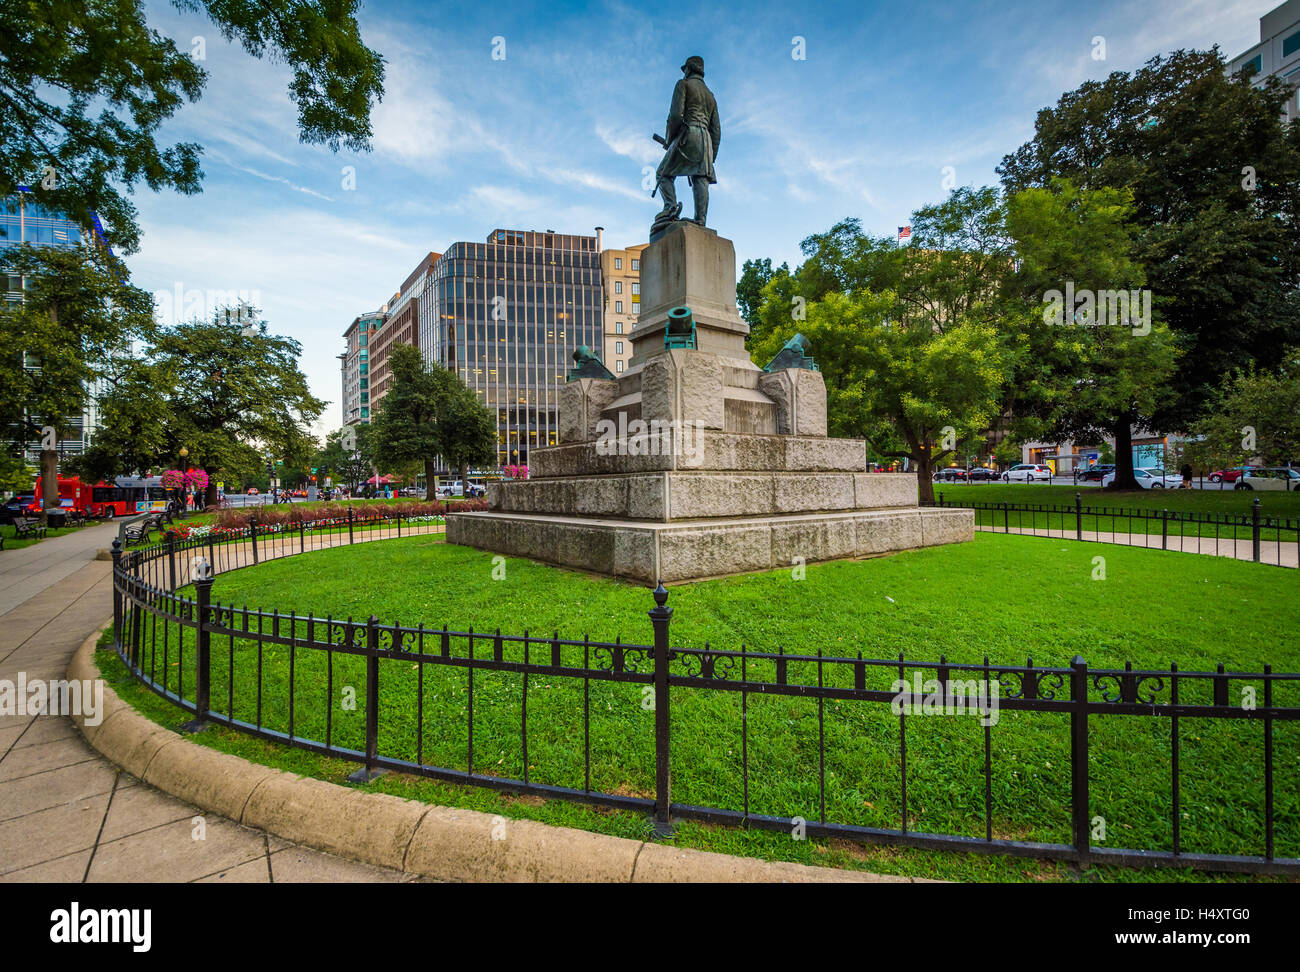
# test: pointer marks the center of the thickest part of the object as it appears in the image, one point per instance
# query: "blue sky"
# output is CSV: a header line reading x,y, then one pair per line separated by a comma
x,y
556,135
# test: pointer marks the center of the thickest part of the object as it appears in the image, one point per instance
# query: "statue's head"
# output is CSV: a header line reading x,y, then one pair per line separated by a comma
x,y
694,65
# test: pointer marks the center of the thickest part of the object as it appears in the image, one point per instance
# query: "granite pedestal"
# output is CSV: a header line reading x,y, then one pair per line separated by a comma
x,y
695,462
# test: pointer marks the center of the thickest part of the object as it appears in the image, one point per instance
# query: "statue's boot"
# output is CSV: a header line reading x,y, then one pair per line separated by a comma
x,y
668,192
700,187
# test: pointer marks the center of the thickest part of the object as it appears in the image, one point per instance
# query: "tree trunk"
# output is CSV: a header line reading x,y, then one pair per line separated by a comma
x,y
210,491
924,476
49,482
1123,431
430,493
464,480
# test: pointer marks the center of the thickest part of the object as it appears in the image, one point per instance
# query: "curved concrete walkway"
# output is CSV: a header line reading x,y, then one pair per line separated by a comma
x,y
67,814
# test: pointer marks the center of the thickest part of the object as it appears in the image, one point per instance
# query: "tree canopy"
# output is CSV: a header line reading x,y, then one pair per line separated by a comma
x,y
230,393
85,86
76,317
1214,176
429,413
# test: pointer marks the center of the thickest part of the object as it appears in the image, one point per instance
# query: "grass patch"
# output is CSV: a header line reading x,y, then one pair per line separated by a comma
x,y
1179,502
1004,596
10,534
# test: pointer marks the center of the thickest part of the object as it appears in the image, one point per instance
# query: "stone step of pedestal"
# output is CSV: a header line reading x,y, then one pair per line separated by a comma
x,y
691,494
665,447
648,552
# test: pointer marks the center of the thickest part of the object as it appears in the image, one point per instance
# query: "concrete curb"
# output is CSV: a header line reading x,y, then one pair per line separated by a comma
x,y
442,843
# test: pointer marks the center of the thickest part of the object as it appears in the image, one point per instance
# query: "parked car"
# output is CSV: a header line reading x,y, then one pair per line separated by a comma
x,y
1095,474
1149,479
1268,477
1027,472
16,506
1225,475
979,474
456,489
951,474
252,490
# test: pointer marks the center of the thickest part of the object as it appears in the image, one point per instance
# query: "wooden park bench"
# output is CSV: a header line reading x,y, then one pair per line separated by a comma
x,y
25,527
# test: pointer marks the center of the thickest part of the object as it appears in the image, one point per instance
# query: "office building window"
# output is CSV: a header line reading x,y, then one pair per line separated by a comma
x,y
618,325
618,367
636,264
636,288
1291,44
1256,63
618,286
618,307
636,307
618,263
618,347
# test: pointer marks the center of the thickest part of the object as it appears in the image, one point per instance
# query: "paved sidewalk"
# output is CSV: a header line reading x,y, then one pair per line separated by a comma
x,y
1272,552
66,814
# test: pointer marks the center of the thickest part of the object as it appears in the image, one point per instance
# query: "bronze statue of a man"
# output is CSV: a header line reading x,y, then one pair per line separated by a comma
x,y
690,144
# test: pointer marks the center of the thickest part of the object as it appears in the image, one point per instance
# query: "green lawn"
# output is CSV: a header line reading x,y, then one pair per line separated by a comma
x,y
1004,596
10,533
1179,503
1183,500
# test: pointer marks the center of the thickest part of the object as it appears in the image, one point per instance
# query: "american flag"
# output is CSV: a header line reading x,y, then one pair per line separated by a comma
x,y
904,232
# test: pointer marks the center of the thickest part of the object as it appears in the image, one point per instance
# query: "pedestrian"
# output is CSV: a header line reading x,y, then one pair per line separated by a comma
x,y
1187,476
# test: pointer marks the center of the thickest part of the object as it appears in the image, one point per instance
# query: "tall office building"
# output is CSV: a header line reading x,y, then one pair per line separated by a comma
x,y
23,220
1278,51
401,326
356,366
620,271
506,316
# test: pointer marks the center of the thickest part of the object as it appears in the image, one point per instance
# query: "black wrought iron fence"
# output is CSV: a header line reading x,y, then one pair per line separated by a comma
x,y
1254,536
431,702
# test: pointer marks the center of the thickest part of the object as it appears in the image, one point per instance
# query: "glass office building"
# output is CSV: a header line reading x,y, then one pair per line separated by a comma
x,y
23,220
506,316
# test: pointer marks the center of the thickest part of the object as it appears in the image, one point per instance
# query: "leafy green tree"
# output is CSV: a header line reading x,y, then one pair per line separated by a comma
x,y
909,390
234,394
85,86
348,455
77,311
134,415
1082,376
467,432
406,423
908,339
1214,173
429,413
754,276
1255,417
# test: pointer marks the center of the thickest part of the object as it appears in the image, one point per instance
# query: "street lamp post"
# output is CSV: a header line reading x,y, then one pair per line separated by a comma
x,y
184,453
